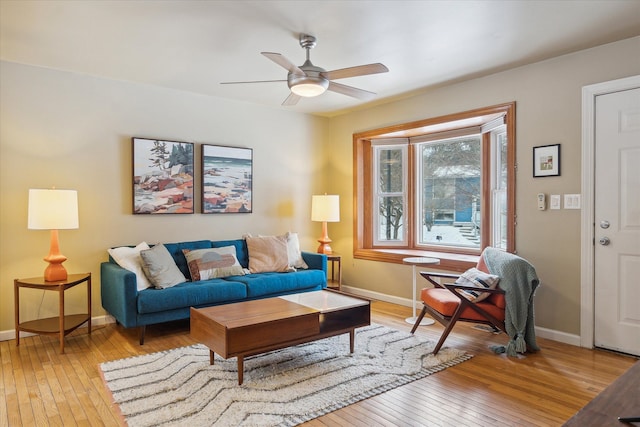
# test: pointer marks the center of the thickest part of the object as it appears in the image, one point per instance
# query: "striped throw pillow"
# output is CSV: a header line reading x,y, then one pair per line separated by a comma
x,y
478,279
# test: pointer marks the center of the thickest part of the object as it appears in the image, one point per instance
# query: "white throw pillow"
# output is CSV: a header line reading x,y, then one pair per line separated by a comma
x,y
129,258
293,251
160,267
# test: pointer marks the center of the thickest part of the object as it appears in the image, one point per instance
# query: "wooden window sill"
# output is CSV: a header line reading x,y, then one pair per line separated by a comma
x,y
448,261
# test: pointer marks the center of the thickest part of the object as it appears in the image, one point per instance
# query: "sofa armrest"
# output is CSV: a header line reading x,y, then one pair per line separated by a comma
x,y
315,261
119,292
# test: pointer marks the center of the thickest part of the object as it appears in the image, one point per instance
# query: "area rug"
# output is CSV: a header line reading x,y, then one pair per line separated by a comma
x,y
281,388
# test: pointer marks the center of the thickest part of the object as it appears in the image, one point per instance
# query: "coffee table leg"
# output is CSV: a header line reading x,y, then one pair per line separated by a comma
x,y
240,369
351,339
212,356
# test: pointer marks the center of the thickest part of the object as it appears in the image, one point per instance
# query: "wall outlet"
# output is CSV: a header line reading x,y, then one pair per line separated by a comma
x,y
572,201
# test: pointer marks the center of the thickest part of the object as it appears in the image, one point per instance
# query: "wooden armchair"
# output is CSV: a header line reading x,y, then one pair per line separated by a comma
x,y
446,303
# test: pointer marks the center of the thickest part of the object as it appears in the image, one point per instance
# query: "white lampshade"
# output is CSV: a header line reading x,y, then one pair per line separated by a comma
x,y
53,209
325,208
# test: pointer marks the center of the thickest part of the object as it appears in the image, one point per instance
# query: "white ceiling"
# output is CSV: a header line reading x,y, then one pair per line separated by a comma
x,y
195,45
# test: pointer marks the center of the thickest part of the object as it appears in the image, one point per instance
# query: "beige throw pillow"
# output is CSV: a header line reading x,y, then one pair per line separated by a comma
x,y
160,268
268,254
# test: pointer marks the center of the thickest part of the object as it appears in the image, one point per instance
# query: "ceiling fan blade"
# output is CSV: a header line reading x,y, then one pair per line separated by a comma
x,y
360,70
351,91
283,62
254,81
292,99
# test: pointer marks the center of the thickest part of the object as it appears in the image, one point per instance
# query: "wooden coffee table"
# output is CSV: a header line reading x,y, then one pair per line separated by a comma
x,y
253,327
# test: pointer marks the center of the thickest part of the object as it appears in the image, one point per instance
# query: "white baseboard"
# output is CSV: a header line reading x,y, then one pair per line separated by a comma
x,y
95,321
551,334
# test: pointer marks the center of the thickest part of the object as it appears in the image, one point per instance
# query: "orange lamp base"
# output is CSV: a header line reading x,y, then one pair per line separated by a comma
x,y
325,247
55,271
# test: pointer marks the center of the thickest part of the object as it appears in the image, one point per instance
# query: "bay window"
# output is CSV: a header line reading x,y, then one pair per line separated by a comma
x,y
438,187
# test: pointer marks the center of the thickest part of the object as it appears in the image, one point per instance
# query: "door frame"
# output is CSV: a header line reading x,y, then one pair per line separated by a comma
x,y
587,220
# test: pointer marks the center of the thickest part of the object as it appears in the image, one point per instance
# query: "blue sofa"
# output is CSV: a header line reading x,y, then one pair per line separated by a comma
x,y
133,308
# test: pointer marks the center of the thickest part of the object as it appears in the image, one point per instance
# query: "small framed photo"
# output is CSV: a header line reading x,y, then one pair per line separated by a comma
x,y
162,177
227,179
546,160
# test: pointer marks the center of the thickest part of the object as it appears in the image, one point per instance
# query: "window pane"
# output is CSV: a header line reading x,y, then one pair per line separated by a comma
x,y
449,182
390,215
390,170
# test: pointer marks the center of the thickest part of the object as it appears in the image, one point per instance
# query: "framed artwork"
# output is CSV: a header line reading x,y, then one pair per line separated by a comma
x,y
227,179
546,160
162,177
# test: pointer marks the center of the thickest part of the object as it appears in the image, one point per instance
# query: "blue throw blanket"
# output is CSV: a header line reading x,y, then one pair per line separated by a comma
x,y
519,280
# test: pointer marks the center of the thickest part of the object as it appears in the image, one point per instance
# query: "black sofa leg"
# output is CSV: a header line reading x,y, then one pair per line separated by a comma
x,y
141,330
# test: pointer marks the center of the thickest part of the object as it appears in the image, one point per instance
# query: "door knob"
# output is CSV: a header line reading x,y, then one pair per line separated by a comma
x,y
604,241
604,224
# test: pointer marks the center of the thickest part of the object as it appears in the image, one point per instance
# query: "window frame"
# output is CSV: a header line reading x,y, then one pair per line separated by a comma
x,y
451,258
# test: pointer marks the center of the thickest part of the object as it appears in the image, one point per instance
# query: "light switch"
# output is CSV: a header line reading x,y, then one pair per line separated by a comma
x,y
554,201
572,201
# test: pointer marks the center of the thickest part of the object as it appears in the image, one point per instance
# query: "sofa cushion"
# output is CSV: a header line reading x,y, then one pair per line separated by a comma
x,y
175,249
190,294
268,254
129,259
213,263
160,268
263,284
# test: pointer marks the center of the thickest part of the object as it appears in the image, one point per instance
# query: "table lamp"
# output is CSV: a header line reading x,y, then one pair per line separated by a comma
x,y
53,210
325,208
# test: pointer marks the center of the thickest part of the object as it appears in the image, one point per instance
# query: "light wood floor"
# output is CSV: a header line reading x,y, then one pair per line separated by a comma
x,y
40,387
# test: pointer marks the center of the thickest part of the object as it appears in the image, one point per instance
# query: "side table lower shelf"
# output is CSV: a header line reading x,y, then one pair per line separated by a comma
x,y
51,326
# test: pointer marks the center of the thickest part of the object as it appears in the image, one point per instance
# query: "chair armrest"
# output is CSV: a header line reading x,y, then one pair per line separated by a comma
x,y
119,293
429,274
315,261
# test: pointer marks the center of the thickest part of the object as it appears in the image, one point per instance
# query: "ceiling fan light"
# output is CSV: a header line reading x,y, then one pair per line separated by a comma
x,y
308,90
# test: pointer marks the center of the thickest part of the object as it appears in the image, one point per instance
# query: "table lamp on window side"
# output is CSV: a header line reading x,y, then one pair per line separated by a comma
x,y
53,210
325,208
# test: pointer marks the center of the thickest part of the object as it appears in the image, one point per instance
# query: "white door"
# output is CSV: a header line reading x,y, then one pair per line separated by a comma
x,y
617,221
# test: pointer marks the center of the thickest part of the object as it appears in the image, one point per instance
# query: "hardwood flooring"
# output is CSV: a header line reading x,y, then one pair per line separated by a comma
x,y
40,387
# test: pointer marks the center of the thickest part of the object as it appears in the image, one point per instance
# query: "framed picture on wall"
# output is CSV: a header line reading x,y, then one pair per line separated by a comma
x,y
162,176
227,179
546,160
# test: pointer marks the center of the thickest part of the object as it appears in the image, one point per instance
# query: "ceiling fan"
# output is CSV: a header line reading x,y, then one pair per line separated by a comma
x,y
309,80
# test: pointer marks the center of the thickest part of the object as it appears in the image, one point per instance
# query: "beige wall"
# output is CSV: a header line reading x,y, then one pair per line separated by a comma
x,y
73,131
548,111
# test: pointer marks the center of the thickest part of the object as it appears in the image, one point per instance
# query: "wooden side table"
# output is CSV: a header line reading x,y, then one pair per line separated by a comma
x,y
336,278
61,325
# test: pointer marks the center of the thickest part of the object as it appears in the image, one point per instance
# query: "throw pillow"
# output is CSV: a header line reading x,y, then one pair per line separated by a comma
x,y
211,263
479,279
293,251
160,267
268,254
129,258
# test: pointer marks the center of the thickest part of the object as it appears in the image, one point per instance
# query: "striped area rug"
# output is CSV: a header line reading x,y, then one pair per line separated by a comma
x,y
281,388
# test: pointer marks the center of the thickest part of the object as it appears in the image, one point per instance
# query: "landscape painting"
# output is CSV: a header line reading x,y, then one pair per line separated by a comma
x,y
227,177
162,177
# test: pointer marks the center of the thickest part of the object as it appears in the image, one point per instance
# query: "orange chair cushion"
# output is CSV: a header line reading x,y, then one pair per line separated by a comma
x,y
446,303
495,299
